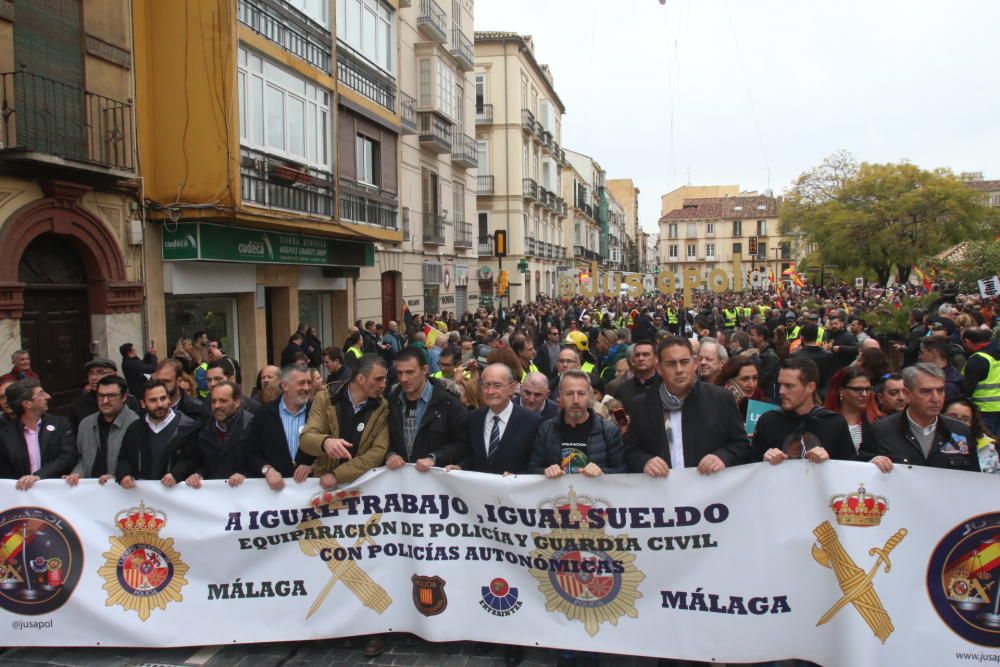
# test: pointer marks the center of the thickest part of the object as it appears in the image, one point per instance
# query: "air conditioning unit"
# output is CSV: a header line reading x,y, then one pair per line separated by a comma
x,y
135,232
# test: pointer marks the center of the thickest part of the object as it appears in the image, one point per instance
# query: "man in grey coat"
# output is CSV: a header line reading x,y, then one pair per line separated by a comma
x,y
99,437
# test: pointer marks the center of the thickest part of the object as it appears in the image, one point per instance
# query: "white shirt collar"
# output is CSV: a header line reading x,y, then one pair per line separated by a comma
x,y
156,428
504,414
925,430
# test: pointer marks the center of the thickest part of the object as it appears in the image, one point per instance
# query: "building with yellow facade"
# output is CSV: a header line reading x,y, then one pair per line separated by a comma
x,y
71,242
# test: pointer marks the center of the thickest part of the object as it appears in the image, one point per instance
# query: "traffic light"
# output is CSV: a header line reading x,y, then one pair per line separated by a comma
x,y
502,284
500,243
752,246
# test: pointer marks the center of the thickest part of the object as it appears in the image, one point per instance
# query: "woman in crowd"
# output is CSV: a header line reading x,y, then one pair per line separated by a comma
x,y
855,401
739,375
966,412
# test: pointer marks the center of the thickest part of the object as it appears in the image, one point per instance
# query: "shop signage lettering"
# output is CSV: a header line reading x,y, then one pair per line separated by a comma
x,y
448,299
205,241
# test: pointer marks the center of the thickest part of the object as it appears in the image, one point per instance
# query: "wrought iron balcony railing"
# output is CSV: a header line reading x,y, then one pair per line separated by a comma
x,y
433,229
355,73
529,247
408,113
271,182
288,27
461,50
586,254
484,185
41,115
463,235
527,121
431,21
485,246
368,208
530,188
463,152
484,114
435,132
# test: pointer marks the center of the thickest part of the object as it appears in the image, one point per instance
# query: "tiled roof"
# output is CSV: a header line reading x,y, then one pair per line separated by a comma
x,y
727,208
984,186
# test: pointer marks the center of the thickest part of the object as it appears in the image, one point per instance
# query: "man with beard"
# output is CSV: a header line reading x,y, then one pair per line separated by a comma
x,y
644,376
38,445
224,441
99,438
162,445
167,371
890,394
801,429
844,345
760,338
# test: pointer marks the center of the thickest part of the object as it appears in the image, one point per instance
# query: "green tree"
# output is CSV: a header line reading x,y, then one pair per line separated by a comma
x,y
885,217
981,259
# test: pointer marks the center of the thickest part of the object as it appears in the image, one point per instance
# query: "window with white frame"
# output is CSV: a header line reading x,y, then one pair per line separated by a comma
x,y
317,10
692,250
710,229
437,87
368,27
692,230
737,228
710,251
483,157
577,234
446,90
282,113
672,230
672,251
366,154
480,91
762,228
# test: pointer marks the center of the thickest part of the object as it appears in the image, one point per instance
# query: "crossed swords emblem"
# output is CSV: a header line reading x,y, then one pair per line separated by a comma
x,y
349,572
856,584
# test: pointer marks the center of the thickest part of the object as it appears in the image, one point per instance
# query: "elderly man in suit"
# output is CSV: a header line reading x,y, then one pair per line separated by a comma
x,y
535,396
99,438
37,445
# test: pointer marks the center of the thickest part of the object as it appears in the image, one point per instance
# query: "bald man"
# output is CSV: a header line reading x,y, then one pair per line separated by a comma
x,y
535,396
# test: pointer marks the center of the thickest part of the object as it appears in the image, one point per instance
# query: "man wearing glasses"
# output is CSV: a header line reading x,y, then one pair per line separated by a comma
x,y
684,423
38,445
99,438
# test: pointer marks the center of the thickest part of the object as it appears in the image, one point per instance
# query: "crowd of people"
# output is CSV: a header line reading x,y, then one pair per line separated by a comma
x,y
552,387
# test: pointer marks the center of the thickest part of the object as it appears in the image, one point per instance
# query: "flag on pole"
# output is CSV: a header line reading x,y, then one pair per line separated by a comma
x,y
924,280
796,279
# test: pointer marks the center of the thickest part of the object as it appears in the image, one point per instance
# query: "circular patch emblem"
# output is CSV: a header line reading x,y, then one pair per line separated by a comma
x,y
40,560
962,579
144,570
587,580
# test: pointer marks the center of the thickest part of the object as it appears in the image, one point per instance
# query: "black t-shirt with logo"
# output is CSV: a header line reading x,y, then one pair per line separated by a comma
x,y
573,450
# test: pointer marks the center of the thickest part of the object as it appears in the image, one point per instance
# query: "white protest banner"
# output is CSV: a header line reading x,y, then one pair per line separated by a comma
x,y
834,563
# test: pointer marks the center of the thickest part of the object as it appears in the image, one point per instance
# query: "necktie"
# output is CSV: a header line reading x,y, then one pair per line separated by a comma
x,y
494,438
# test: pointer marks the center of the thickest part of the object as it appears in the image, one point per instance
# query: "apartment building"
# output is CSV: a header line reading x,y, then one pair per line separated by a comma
x,y
430,269
522,166
584,186
627,195
708,232
269,143
71,256
615,259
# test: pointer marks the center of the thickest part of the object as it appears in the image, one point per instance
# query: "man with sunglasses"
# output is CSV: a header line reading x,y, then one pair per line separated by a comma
x,y
548,352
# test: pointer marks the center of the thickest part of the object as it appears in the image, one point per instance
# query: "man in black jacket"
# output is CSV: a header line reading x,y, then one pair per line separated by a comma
x,y
920,434
427,423
162,445
167,372
767,356
37,445
644,377
843,344
274,452
501,433
221,370
534,396
811,349
223,443
801,429
137,371
705,428
86,404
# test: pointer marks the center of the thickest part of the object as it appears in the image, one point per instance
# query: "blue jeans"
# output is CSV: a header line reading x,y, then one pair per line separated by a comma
x,y
991,420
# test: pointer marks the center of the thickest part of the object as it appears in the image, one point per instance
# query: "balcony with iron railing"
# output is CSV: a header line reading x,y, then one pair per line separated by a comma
x,y
46,121
463,234
530,188
433,229
586,254
435,132
528,121
276,183
561,208
462,51
484,184
407,113
431,21
289,28
368,205
529,247
485,246
355,72
484,114
463,152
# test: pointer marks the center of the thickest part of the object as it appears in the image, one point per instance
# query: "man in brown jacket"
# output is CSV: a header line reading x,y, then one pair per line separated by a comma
x,y
348,425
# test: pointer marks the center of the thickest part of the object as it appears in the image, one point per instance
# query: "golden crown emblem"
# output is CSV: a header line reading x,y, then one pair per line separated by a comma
x,y
141,519
577,505
335,499
859,509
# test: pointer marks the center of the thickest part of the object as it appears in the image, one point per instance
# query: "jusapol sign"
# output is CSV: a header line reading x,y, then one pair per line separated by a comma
x,y
205,241
666,282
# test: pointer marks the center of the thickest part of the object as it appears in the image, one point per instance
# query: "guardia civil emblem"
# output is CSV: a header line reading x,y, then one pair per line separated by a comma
x,y
859,509
142,571
962,579
589,579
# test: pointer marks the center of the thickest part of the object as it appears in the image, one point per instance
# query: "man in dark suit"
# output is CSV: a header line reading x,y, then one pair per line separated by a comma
x,y
427,423
221,370
535,396
137,371
501,433
705,428
224,441
274,452
811,349
37,445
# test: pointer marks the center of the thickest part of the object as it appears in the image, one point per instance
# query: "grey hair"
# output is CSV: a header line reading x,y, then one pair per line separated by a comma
x,y
575,373
510,373
910,373
286,372
534,378
720,350
13,357
367,363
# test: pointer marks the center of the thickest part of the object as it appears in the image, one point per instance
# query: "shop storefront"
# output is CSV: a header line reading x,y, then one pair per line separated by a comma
x,y
251,287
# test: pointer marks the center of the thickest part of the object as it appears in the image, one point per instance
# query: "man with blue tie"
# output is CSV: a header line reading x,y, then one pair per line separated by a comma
x,y
501,433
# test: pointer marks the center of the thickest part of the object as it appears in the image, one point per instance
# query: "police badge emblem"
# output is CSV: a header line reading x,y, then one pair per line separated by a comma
x,y
142,571
428,595
584,581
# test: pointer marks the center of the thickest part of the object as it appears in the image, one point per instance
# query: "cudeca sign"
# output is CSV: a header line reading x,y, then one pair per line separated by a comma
x,y
199,240
611,283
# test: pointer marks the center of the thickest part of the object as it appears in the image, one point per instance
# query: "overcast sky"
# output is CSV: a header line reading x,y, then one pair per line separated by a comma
x,y
754,92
